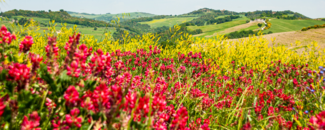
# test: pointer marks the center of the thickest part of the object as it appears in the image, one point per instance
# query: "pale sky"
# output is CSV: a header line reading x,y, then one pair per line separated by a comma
x,y
310,8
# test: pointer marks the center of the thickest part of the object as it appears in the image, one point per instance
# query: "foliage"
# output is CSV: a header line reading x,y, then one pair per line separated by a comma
x,y
275,14
210,19
59,16
268,24
240,34
204,11
313,27
259,24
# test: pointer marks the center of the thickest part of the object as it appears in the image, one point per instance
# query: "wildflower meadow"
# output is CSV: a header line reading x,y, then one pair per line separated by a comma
x,y
67,80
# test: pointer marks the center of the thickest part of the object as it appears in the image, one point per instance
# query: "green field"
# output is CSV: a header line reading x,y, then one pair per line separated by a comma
x,y
253,27
211,29
282,25
167,21
82,29
109,17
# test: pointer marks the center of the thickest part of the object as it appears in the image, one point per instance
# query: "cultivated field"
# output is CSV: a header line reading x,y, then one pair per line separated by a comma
x,y
88,31
209,30
282,25
108,17
169,22
247,26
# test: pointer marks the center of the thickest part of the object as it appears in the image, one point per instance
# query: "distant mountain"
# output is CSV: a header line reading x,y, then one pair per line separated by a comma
x,y
109,17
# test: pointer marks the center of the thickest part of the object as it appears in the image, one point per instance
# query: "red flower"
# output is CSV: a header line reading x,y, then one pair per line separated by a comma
x,y
2,106
72,118
71,95
26,44
18,72
247,126
6,36
32,123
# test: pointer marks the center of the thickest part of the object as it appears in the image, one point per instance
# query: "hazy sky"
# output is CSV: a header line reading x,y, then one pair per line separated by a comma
x,y
310,8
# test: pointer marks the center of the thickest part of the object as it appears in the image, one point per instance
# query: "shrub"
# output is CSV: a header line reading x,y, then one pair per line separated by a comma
x,y
304,29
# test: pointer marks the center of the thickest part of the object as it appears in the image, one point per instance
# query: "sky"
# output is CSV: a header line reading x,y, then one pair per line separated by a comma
x,y
310,8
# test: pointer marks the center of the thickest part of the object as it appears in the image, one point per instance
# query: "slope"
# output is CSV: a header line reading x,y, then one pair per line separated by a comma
x,y
169,22
109,17
209,30
282,25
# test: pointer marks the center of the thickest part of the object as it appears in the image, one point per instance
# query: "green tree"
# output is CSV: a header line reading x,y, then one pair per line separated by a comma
x,y
95,28
259,24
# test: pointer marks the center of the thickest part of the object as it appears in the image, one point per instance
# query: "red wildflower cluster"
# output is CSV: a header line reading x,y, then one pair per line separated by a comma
x,y
32,123
26,44
317,122
6,36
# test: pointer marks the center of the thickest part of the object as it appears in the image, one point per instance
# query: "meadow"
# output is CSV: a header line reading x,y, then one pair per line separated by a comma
x,y
71,81
282,25
88,31
209,30
169,22
108,17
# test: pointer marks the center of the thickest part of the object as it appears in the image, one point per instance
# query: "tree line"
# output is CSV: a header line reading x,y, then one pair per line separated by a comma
x,y
59,16
209,19
241,34
275,14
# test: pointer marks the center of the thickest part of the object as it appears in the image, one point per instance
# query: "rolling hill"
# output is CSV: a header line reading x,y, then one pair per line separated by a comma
x,y
209,30
109,17
282,25
169,22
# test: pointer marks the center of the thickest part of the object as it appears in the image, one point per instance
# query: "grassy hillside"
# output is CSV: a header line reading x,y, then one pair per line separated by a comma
x,y
282,25
109,17
209,30
88,31
167,21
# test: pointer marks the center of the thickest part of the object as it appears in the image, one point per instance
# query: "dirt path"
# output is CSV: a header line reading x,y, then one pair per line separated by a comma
x,y
236,28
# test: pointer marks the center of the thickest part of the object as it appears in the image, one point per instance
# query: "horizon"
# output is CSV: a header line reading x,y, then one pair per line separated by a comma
x,y
158,7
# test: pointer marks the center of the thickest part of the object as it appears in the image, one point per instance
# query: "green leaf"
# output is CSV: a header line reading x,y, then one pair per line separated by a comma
x,y
3,75
47,77
90,85
9,87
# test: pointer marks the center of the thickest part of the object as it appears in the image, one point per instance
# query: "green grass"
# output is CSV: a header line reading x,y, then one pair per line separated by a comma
x,y
211,29
282,25
222,16
167,22
82,29
108,17
253,27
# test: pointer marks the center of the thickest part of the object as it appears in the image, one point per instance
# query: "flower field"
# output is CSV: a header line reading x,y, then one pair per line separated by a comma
x,y
71,81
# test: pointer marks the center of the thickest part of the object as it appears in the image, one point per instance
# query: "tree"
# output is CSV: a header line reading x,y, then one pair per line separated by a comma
x,y
95,28
259,25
